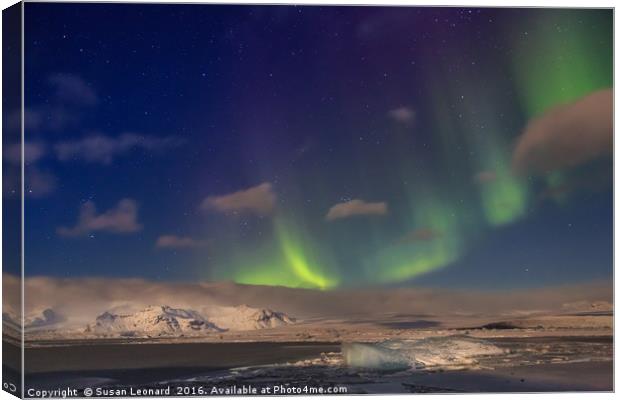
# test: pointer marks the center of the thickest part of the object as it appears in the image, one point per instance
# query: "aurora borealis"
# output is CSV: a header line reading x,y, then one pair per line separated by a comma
x,y
318,147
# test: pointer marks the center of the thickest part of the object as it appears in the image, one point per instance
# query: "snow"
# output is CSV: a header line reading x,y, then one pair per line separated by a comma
x,y
10,321
127,320
43,320
37,320
165,321
586,306
246,318
450,351
152,321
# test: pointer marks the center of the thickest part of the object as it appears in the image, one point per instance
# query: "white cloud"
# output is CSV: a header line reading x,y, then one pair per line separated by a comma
x,y
103,149
178,242
122,219
38,183
485,177
403,115
355,207
260,200
32,120
70,95
568,135
64,106
73,89
33,151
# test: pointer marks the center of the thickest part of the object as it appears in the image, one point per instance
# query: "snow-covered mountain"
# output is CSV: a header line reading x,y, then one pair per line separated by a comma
x,y
165,321
245,318
152,321
46,319
11,325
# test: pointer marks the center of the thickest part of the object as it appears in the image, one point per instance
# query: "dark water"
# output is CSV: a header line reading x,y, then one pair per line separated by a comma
x,y
109,356
79,365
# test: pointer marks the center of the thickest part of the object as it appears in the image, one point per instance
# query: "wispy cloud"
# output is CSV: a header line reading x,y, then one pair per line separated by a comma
x,y
568,135
33,151
122,219
483,177
355,208
103,149
179,242
260,200
65,104
39,183
421,235
72,89
32,120
403,115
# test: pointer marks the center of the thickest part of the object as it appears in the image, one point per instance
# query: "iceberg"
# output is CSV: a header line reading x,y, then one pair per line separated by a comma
x,y
445,352
374,356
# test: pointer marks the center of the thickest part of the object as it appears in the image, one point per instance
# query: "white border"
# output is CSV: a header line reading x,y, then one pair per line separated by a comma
x,y
461,3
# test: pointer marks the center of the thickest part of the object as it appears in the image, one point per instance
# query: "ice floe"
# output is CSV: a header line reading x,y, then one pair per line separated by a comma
x,y
446,352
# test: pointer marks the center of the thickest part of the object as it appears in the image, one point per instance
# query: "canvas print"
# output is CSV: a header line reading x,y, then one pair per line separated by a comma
x,y
247,199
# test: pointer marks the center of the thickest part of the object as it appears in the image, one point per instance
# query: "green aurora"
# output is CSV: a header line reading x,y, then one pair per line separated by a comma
x,y
561,59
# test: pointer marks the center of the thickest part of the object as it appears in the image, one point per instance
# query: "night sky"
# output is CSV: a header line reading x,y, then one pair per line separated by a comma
x,y
316,147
